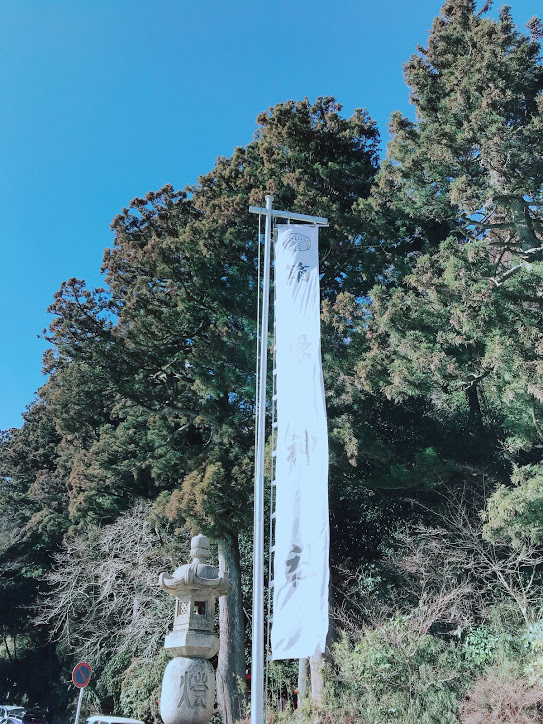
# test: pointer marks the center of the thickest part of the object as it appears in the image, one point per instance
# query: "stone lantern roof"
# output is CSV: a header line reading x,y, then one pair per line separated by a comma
x,y
198,575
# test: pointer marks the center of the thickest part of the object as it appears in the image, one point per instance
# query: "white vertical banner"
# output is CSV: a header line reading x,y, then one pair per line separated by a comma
x,y
301,571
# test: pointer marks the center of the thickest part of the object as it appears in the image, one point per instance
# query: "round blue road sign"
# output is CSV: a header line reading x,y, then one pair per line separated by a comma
x,y
81,675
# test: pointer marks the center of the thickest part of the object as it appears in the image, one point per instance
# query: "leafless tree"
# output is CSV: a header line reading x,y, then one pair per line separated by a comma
x,y
104,594
446,572
493,569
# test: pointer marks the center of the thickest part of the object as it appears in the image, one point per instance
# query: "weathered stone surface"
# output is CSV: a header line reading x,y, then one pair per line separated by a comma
x,y
188,686
192,643
196,587
188,692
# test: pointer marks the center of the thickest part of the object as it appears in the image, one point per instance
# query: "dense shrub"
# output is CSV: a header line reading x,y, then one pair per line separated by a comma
x,y
393,674
502,696
141,687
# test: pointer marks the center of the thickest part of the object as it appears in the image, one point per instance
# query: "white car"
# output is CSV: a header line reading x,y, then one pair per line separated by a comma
x,y
11,711
101,719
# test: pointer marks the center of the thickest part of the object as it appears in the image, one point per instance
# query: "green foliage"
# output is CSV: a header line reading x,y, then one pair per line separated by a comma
x,y
162,360
393,675
141,687
502,639
150,389
516,515
283,681
31,674
479,647
432,342
533,642
456,319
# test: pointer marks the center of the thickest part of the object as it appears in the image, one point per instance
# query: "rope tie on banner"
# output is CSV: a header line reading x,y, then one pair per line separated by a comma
x,y
271,532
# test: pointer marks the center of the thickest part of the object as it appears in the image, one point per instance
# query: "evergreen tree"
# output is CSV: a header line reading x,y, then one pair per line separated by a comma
x,y
456,318
33,520
151,381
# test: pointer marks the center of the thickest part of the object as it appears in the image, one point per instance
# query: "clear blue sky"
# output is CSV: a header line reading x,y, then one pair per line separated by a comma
x,y
103,100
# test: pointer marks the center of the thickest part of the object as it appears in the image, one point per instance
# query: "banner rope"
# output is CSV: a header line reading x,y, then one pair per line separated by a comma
x,y
271,537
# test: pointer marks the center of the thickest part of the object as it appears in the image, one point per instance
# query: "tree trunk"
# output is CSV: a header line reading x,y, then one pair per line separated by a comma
x,y
7,649
475,418
317,685
303,680
231,664
316,662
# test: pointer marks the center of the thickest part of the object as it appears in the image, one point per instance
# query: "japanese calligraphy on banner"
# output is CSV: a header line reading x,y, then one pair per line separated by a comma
x,y
300,593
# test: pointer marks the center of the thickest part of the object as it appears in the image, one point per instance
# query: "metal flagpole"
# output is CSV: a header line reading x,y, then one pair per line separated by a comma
x,y
257,650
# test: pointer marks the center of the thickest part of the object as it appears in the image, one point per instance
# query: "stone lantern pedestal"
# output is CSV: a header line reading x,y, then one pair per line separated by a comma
x,y
188,685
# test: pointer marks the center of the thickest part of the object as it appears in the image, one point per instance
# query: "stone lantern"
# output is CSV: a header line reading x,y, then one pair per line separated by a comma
x,y
188,685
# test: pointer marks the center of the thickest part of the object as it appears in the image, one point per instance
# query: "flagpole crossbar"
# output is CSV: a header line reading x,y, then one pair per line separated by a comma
x,y
319,220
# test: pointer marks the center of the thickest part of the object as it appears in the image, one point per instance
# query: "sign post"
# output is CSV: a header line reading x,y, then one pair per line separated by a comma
x,y
81,676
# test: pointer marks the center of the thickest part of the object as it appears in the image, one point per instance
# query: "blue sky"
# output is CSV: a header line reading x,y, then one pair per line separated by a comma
x,y
103,100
